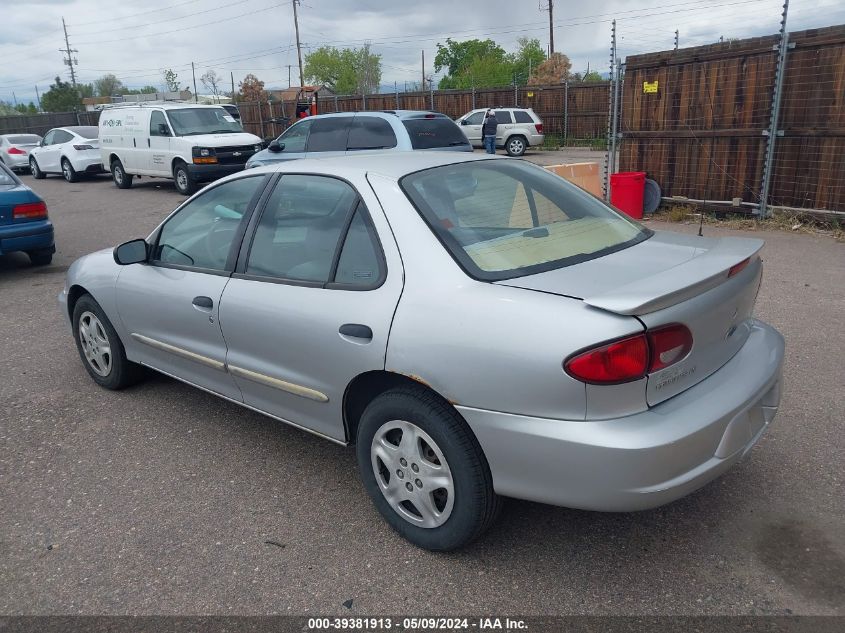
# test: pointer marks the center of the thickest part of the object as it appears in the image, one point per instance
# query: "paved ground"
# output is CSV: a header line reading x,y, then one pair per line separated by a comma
x,y
162,499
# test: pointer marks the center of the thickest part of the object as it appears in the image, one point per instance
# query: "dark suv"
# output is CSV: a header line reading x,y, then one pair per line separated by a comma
x,y
346,132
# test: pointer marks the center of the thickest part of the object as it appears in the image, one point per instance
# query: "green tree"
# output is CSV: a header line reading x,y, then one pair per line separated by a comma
x,y
171,80
591,76
26,108
527,59
108,85
61,97
139,91
478,63
346,71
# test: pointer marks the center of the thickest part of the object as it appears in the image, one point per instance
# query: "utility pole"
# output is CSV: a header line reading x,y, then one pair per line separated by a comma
x,y
289,67
551,28
423,71
14,97
194,73
676,39
38,98
70,60
298,48
232,74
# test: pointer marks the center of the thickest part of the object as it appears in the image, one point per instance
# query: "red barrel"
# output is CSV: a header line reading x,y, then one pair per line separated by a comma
x,y
627,189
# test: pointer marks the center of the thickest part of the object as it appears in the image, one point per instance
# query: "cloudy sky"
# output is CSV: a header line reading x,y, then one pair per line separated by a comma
x,y
135,40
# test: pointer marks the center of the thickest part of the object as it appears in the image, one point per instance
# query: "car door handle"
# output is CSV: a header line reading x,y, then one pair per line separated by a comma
x,y
203,302
356,330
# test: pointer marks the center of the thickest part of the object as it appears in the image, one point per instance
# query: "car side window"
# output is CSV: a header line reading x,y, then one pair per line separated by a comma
x,y
48,138
329,134
157,120
503,117
359,263
369,132
62,137
296,137
201,233
521,116
300,228
475,119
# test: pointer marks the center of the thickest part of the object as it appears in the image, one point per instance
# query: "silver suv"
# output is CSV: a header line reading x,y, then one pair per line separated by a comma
x,y
519,129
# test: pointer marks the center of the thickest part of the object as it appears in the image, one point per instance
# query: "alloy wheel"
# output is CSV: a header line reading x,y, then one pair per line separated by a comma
x,y
95,344
412,473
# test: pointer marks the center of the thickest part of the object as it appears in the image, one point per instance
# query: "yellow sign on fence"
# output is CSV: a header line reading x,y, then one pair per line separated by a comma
x,y
650,87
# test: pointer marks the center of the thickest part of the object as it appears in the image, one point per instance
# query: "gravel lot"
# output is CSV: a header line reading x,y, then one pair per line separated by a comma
x,y
162,499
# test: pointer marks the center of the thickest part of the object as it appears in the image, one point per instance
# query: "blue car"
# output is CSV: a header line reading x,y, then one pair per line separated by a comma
x,y
24,225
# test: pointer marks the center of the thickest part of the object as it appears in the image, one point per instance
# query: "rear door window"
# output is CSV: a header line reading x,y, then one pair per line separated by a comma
x,y
369,132
329,134
521,116
438,132
503,117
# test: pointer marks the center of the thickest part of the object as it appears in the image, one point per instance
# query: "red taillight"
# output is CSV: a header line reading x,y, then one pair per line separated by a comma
x,y
669,344
631,358
15,150
616,362
737,268
30,211
82,147
539,127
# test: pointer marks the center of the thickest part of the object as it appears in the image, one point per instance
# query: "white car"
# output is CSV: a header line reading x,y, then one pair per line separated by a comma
x,y
15,149
69,151
518,129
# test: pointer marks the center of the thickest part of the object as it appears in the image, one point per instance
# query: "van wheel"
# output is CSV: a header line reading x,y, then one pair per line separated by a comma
x,y
68,171
35,170
184,182
119,175
516,146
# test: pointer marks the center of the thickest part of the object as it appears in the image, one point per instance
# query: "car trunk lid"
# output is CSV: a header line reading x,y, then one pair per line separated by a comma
x,y
671,278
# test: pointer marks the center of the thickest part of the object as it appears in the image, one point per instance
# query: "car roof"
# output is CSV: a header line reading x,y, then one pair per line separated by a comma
x,y
394,165
167,105
382,114
76,129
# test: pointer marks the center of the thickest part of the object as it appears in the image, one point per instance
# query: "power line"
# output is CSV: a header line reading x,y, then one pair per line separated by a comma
x,y
132,15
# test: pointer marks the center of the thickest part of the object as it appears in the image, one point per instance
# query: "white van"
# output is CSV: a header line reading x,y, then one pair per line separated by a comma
x,y
186,142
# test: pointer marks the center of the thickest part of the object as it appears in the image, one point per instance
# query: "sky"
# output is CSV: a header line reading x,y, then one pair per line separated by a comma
x,y
136,40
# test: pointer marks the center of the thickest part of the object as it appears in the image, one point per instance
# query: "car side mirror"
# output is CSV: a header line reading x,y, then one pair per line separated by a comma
x,y
131,252
275,146
162,129
465,122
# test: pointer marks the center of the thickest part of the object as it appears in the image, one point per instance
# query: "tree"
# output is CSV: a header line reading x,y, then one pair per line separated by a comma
x,y
251,89
529,56
171,80
140,91
61,97
211,80
555,70
478,63
108,85
24,108
591,75
345,71
85,90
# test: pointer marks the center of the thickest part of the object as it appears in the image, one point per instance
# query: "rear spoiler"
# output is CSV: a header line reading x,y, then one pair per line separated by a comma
x,y
676,284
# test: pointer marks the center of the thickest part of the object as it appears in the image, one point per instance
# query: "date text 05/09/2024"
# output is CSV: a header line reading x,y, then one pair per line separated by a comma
x,y
416,624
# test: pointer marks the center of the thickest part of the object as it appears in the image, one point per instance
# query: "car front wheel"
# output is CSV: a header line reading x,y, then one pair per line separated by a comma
x,y
184,182
100,347
516,146
119,175
35,170
424,470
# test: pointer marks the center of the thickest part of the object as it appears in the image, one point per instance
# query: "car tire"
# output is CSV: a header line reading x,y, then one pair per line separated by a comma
x,y
403,480
68,172
119,175
40,258
100,347
185,184
516,145
35,170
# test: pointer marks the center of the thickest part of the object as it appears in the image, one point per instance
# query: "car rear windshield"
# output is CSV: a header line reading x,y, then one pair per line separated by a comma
x,y
24,139
193,121
88,132
430,133
502,219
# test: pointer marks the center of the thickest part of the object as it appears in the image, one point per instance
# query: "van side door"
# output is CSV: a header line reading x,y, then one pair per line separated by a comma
x,y
157,161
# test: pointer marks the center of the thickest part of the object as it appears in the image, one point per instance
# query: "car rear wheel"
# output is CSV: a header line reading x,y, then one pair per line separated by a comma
x,y
184,182
40,258
424,470
35,170
68,171
100,347
516,146
119,175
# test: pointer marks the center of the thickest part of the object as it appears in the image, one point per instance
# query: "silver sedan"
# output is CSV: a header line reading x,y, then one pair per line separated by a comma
x,y
476,327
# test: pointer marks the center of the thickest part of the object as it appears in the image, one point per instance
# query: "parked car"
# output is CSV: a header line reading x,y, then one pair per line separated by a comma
x,y
476,326
518,129
15,149
345,133
188,143
69,151
24,225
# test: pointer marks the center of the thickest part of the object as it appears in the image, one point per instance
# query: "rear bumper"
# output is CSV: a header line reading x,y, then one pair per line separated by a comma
x,y
644,460
91,164
17,161
27,236
205,173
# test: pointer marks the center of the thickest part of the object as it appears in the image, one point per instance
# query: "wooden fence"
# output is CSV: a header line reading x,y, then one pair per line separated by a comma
x,y
41,123
572,112
696,120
